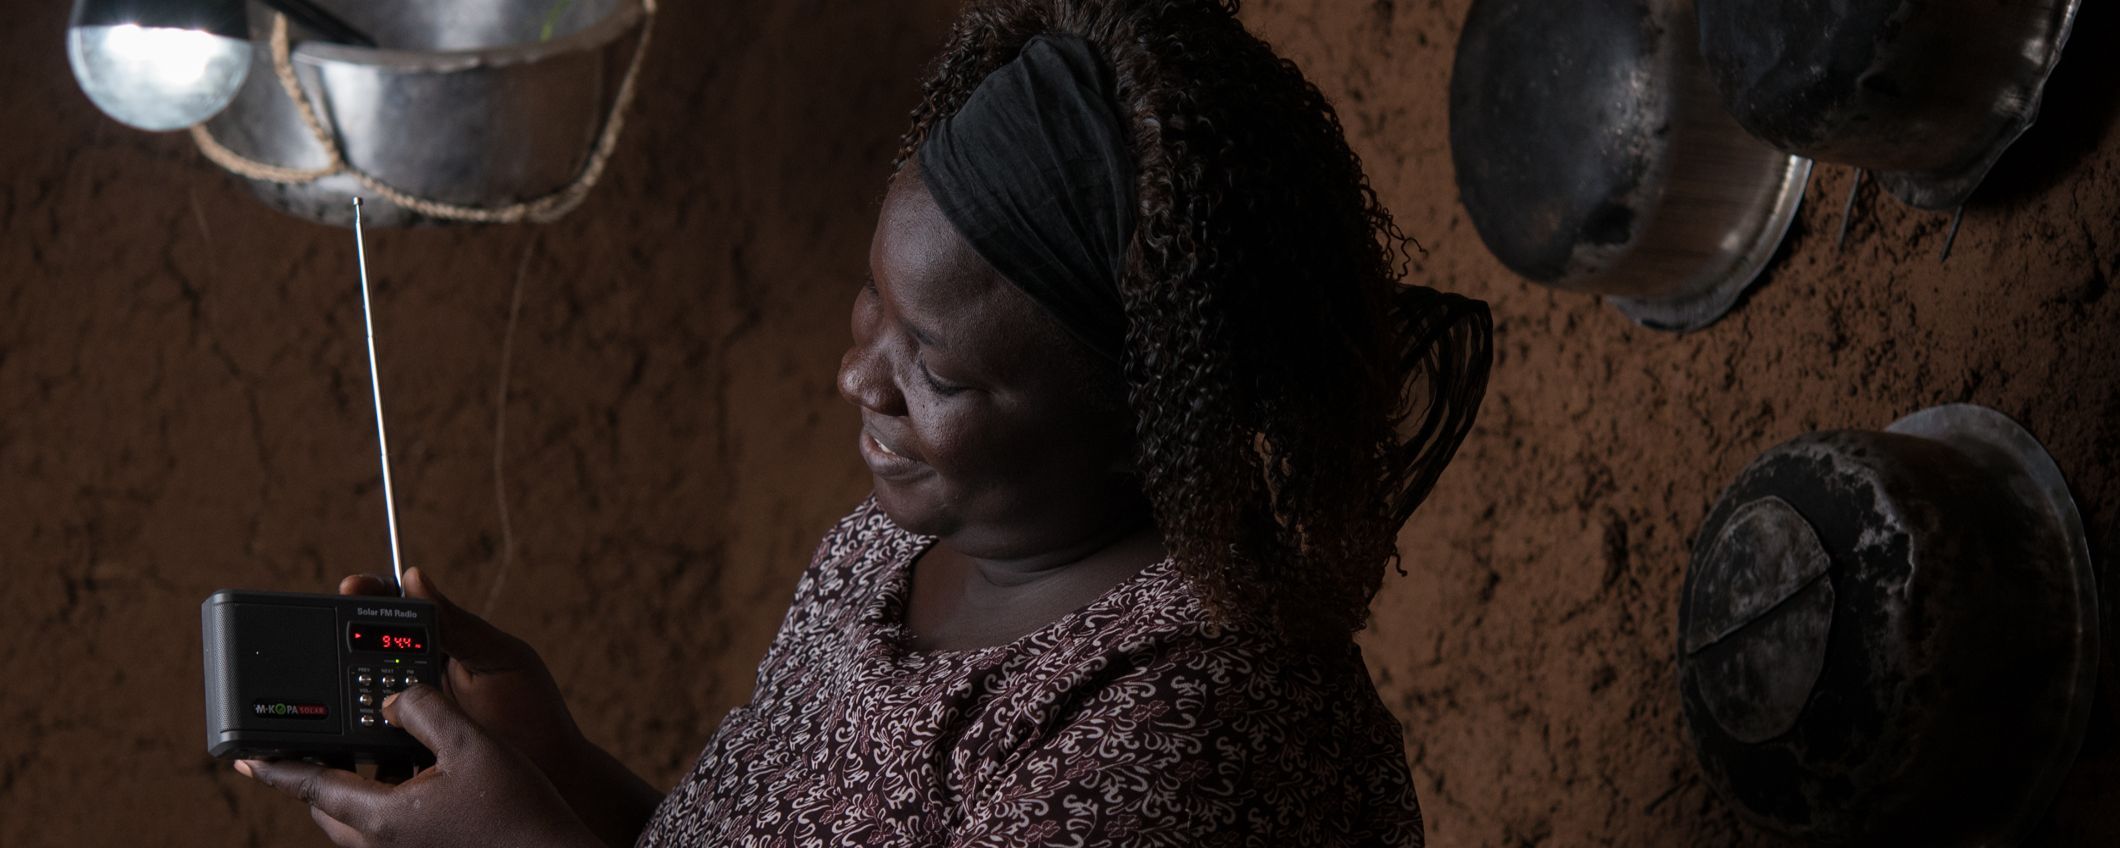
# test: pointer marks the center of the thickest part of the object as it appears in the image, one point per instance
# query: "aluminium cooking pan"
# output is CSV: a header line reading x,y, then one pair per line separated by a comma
x,y
1593,155
1927,93
474,103
1891,637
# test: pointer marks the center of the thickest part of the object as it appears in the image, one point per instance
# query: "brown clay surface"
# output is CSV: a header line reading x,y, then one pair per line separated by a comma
x,y
183,408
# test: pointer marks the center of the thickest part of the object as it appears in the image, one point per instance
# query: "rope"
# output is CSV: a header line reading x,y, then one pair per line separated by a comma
x,y
547,208
500,430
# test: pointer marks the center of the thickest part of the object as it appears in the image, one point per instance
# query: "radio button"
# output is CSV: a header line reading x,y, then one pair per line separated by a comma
x,y
411,678
367,720
366,699
390,681
364,679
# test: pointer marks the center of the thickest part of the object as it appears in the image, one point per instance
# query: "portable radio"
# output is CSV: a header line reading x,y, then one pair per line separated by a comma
x,y
304,676
298,675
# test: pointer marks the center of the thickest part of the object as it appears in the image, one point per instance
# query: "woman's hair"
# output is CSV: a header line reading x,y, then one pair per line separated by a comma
x,y
1292,401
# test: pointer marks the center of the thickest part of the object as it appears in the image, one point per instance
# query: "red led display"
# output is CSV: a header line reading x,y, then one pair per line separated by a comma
x,y
392,640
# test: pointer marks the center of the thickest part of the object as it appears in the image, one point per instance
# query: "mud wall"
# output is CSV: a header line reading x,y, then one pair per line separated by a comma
x,y
617,435
1530,650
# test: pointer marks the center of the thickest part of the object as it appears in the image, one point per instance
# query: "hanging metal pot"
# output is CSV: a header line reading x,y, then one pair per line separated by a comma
x,y
1891,638
470,110
1593,155
1927,94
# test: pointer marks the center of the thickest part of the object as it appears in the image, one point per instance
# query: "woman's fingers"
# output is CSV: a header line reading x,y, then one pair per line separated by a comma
x,y
340,833
433,719
467,638
342,795
419,585
366,584
480,791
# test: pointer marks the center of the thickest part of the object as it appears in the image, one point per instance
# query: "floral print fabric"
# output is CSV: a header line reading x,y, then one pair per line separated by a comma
x,y
1132,721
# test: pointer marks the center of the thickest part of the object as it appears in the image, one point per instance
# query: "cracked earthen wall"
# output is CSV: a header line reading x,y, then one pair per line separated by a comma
x,y
183,407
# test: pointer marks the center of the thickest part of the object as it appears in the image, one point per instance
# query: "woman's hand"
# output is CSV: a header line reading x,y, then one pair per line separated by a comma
x,y
497,679
504,687
479,791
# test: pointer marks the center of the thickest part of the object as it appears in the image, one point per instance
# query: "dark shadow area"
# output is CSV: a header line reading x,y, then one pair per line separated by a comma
x,y
2081,106
2083,813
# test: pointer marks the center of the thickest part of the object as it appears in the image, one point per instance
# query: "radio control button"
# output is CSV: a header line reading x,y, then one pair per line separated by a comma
x,y
366,699
390,681
411,678
364,679
367,720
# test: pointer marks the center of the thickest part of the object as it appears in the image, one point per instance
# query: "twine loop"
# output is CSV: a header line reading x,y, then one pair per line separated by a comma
x,y
546,208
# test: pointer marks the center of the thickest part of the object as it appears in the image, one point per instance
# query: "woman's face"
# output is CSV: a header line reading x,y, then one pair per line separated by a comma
x,y
980,419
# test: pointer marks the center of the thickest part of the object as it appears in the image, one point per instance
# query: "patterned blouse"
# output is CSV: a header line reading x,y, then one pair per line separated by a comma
x,y
1131,721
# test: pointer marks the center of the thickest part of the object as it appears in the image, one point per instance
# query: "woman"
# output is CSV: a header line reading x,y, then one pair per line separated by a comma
x,y
1145,407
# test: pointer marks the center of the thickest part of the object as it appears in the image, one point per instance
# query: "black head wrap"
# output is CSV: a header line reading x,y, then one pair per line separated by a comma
x,y
1034,171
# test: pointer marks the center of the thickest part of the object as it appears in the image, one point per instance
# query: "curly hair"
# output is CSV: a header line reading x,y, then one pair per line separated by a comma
x,y
1293,402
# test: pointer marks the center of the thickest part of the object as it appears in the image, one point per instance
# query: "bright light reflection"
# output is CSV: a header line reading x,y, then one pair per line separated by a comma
x,y
174,56
157,78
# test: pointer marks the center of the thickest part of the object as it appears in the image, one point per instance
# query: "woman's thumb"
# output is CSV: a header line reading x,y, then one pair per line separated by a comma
x,y
419,585
465,636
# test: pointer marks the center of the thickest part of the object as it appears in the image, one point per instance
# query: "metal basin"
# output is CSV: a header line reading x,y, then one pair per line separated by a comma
x,y
1927,94
1593,156
474,103
1891,638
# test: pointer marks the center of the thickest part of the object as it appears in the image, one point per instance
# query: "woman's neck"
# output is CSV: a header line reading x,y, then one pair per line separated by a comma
x,y
961,602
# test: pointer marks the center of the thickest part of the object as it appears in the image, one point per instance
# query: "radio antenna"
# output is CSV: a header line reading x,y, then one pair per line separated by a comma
x,y
375,390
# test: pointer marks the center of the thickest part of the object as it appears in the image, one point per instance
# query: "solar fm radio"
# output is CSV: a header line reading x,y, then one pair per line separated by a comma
x,y
291,675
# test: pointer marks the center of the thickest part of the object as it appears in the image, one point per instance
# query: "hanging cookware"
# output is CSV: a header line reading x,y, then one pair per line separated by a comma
x,y
470,110
1592,155
1891,638
1926,94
